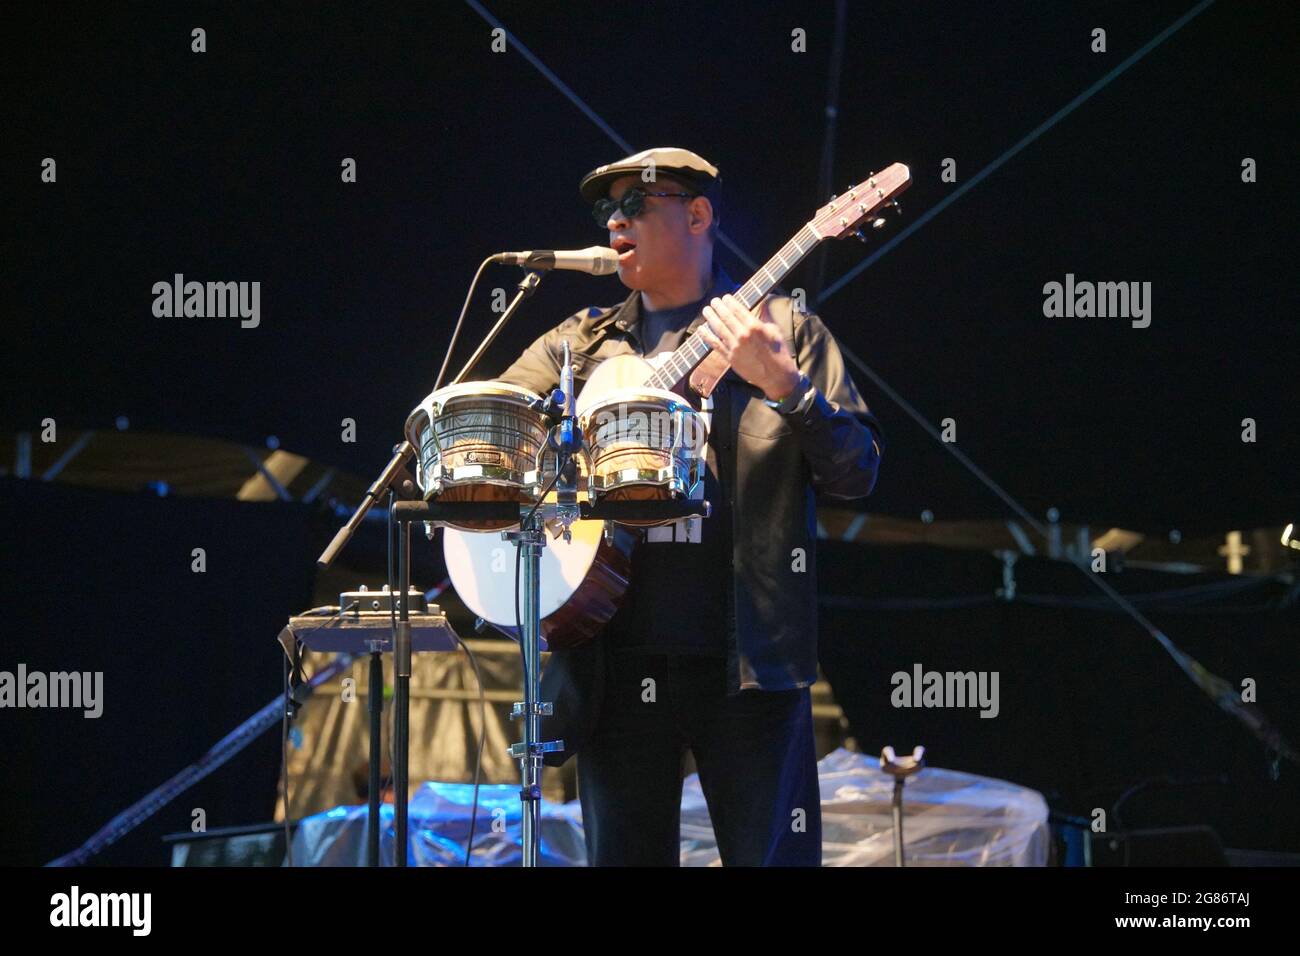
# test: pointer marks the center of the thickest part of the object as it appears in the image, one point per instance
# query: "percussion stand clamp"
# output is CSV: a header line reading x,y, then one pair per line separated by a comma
x,y
565,438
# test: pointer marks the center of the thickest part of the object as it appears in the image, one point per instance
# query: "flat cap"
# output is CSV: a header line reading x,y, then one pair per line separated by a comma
x,y
669,160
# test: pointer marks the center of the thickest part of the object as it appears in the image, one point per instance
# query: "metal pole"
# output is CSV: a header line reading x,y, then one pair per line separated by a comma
x,y
531,765
531,538
376,706
402,696
898,821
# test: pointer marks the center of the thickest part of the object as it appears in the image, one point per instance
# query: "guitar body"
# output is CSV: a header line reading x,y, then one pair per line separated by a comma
x,y
583,580
619,372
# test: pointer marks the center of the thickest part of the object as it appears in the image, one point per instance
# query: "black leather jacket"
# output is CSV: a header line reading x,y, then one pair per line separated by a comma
x,y
771,467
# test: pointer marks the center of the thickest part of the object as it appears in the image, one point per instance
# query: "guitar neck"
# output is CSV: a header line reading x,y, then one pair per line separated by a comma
x,y
693,351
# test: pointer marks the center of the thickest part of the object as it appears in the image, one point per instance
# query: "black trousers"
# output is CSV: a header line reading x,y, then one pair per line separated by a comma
x,y
754,752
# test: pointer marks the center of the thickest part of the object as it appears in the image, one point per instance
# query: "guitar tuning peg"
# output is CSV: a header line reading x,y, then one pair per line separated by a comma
x,y
897,207
878,223
860,236
833,195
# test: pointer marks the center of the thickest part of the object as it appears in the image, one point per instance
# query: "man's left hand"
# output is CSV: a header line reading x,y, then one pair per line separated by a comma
x,y
752,344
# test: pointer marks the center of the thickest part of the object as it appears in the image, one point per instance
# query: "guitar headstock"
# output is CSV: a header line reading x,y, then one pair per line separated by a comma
x,y
844,214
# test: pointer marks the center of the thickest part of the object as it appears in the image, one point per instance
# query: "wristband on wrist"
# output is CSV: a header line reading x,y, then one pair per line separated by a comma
x,y
798,400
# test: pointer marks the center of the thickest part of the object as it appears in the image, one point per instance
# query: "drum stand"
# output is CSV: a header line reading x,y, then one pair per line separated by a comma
x,y
532,538
565,439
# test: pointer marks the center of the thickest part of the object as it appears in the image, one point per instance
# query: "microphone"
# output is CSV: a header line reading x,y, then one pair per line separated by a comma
x,y
566,386
598,260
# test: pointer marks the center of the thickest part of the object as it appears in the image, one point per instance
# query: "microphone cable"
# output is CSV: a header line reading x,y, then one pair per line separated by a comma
x,y
455,334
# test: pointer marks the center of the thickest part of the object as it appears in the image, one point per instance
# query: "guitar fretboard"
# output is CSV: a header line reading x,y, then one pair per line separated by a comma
x,y
692,352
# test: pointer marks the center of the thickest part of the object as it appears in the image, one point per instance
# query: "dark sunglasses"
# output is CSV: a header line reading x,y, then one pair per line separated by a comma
x,y
632,203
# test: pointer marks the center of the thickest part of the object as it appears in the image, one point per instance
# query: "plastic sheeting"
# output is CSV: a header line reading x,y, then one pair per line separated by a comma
x,y
950,819
439,819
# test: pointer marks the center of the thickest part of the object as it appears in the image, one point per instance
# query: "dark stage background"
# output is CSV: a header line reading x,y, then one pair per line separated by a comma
x,y
1089,707
103,582
225,166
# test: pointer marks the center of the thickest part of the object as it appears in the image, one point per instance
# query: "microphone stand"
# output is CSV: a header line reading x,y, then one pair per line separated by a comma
x,y
401,455
527,286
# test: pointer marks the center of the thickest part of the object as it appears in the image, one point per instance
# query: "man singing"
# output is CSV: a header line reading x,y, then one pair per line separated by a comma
x,y
715,647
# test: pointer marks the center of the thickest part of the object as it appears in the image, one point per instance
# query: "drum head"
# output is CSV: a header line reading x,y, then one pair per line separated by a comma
x,y
477,441
641,395
645,415
436,400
